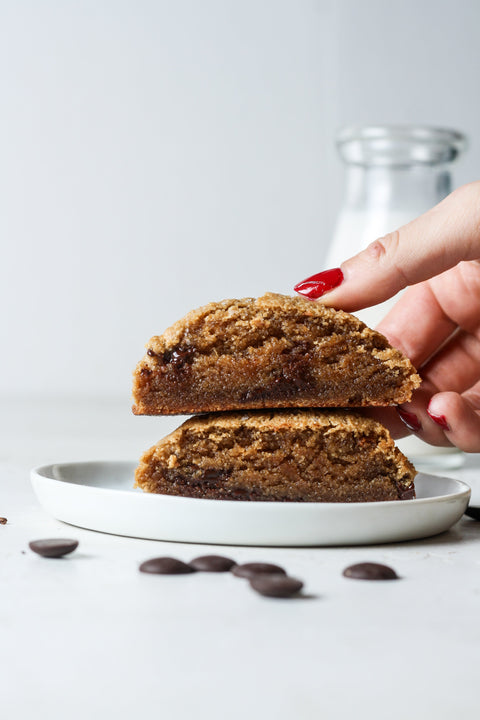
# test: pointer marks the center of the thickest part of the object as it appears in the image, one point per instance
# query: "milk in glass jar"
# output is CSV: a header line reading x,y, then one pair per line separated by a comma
x,y
393,174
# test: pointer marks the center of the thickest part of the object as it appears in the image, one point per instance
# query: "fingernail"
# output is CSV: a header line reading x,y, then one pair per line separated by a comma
x,y
411,421
317,285
439,419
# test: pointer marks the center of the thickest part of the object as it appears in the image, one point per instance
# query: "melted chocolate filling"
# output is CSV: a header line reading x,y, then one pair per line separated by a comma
x,y
213,483
195,484
177,357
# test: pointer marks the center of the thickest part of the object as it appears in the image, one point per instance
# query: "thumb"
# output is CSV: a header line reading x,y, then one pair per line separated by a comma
x,y
429,245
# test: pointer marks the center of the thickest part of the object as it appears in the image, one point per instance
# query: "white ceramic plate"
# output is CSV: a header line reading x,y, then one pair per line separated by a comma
x,y
100,496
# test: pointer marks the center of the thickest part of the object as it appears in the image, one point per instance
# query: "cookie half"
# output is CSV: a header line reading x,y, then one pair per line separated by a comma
x,y
285,455
271,352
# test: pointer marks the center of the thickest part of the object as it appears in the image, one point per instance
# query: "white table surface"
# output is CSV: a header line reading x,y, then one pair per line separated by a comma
x,y
90,636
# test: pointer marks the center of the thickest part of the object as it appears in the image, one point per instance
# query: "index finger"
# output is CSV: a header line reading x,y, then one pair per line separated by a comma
x,y
429,245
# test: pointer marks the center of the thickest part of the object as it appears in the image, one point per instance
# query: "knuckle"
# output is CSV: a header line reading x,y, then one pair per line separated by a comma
x,y
376,249
467,197
386,250
384,247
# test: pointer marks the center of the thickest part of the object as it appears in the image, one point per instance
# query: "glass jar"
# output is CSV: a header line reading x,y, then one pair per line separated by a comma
x,y
393,174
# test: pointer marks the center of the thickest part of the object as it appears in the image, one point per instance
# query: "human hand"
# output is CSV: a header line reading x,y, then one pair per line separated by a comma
x,y
436,321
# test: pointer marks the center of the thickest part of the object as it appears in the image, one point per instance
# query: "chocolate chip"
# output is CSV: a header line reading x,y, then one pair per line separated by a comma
x,y
211,478
249,570
278,586
212,563
406,493
473,512
179,356
53,547
370,571
3,521
165,566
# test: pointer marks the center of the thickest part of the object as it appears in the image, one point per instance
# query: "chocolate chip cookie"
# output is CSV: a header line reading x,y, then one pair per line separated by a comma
x,y
281,455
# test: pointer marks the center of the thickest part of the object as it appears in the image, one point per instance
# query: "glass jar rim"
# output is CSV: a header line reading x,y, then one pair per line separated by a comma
x,y
399,145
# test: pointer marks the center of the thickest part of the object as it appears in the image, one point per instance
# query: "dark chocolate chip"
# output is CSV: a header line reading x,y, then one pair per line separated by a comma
x,y
178,357
212,478
165,566
212,563
473,512
3,521
249,570
406,493
370,571
278,586
54,547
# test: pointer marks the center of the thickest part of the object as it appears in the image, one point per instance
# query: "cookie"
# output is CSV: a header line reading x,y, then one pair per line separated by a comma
x,y
282,455
272,352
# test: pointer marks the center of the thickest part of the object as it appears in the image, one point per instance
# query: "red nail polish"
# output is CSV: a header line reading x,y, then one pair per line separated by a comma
x,y
440,420
317,285
410,420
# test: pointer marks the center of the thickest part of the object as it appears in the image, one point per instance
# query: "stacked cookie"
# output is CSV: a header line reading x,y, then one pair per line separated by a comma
x,y
269,372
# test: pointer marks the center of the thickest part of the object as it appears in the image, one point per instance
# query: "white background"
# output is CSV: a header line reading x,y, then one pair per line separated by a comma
x,y
154,156
159,155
